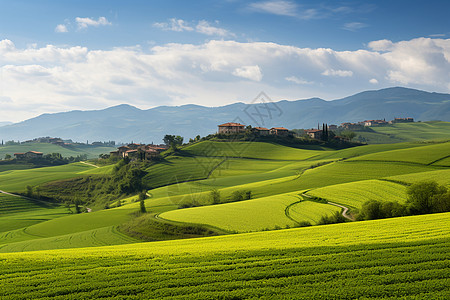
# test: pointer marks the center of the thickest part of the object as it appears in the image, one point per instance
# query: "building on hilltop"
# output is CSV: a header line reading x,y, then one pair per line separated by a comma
x,y
280,131
314,133
352,126
374,122
402,120
261,131
29,154
231,128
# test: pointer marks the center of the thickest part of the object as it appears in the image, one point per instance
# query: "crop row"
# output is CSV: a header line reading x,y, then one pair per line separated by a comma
x,y
406,269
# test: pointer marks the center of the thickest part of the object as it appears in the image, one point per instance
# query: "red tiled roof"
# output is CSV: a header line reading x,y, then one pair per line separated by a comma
x,y
260,128
131,151
35,152
279,128
312,130
230,124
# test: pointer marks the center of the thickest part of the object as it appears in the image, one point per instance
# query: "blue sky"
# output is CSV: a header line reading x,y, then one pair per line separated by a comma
x,y
64,55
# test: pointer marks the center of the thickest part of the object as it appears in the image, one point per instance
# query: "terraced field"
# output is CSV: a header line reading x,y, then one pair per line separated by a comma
x,y
253,215
393,258
354,194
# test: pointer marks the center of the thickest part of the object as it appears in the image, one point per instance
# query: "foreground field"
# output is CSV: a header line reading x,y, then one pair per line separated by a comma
x,y
384,259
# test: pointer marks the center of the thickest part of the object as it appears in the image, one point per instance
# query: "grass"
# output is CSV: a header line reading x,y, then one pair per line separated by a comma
x,y
393,258
256,150
403,132
440,176
354,194
46,148
253,215
17,180
421,155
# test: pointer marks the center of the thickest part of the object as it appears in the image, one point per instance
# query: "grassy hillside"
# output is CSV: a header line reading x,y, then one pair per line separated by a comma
x,y
406,132
253,215
17,180
399,258
46,148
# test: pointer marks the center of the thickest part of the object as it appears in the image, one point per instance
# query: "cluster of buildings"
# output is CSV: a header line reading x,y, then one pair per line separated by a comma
x,y
141,151
370,123
28,155
233,128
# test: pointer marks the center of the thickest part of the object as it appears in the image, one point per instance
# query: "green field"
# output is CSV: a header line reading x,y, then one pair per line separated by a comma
x,y
66,151
384,259
354,194
407,132
253,215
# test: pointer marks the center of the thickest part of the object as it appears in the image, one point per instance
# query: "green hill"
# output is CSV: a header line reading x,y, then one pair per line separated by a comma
x,y
405,132
400,258
66,150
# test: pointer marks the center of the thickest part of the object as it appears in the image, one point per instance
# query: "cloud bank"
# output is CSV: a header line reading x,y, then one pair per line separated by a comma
x,y
50,79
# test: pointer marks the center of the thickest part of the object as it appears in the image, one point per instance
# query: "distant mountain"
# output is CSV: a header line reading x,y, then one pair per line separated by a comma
x,y
5,123
125,123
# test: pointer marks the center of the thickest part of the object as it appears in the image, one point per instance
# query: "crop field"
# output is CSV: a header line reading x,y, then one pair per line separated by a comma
x,y
393,258
440,176
17,180
257,150
253,215
422,155
179,169
354,194
417,131
102,236
66,151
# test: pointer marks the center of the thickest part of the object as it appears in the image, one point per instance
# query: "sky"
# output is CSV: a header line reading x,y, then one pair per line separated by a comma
x,y
81,55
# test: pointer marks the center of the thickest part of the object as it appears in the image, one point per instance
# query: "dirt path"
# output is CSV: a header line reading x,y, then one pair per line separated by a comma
x,y
345,209
89,164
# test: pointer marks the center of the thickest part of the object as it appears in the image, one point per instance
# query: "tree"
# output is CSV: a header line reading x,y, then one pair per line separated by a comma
x,y
7,156
215,196
422,196
29,191
348,134
142,197
173,141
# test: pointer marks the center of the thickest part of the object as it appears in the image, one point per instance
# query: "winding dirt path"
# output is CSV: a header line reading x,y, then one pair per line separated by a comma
x,y
89,164
345,209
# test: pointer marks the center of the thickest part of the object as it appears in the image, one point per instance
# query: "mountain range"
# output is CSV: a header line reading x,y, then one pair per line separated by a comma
x,y
126,123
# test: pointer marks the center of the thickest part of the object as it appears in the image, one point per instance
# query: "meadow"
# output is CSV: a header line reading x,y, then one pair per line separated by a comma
x,y
382,259
46,148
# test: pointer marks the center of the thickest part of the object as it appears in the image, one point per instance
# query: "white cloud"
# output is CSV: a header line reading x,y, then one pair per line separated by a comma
x,y
52,78
61,28
249,72
203,27
174,25
373,81
298,80
277,7
354,26
206,28
339,73
84,23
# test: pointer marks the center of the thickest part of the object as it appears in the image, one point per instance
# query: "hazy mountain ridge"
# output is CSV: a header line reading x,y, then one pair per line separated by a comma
x,y
124,123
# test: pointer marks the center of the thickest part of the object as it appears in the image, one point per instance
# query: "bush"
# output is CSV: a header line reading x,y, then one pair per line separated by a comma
x,y
215,196
426,197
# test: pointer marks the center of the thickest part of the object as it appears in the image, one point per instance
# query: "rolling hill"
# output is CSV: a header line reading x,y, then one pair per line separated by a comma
x,y
125,123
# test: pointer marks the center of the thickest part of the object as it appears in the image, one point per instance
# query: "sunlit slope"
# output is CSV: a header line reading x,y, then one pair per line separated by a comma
x,y
252,215
259,150
46,148
17,180
427,154
354,194
440,176
417,131
400,257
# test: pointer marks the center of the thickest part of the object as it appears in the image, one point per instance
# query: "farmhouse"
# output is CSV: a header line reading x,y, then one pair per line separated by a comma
x,y
230,128
402,120
261,131
314,133
374,122
29,154
280,131
352,126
